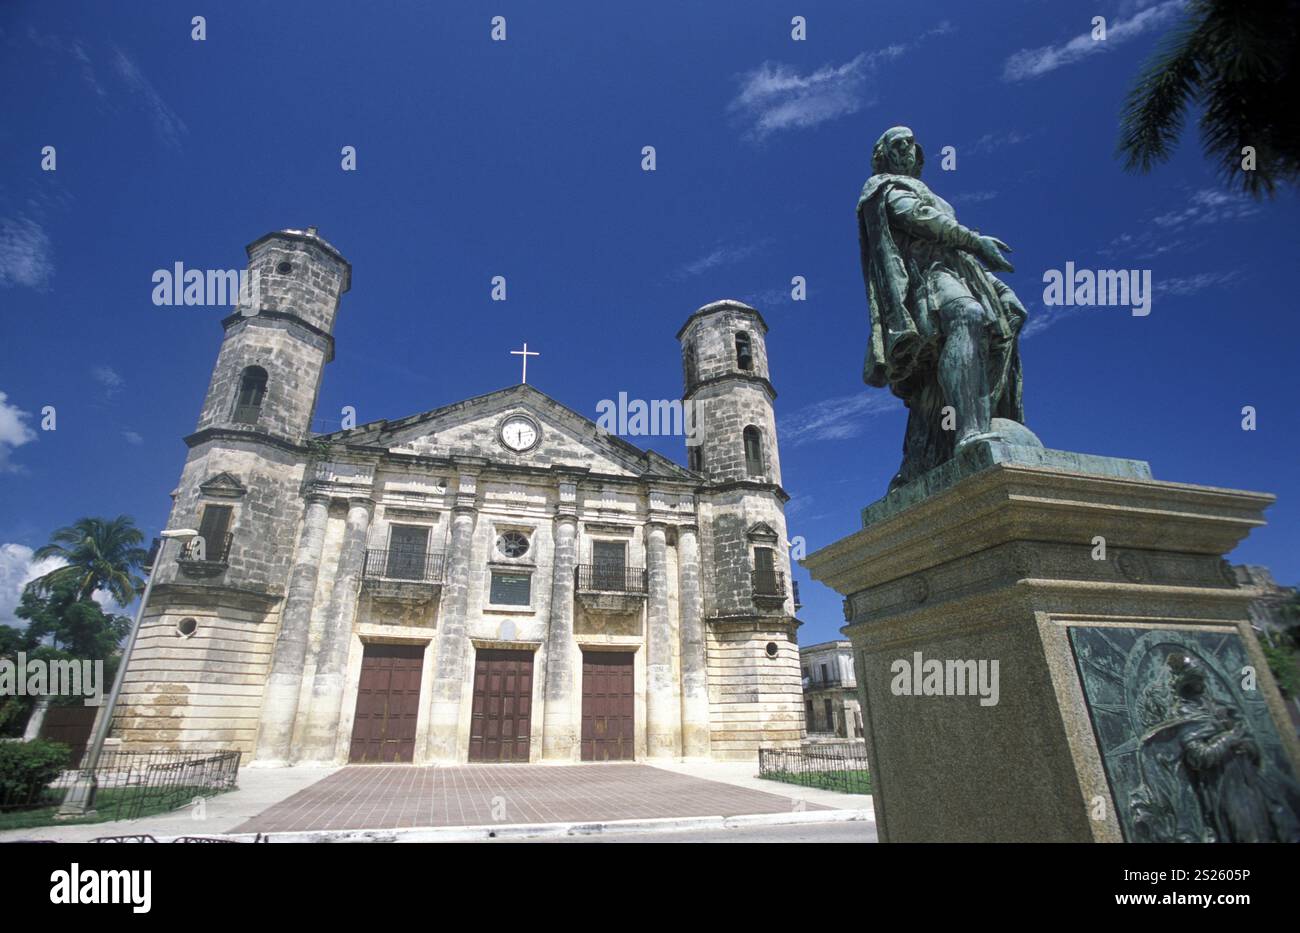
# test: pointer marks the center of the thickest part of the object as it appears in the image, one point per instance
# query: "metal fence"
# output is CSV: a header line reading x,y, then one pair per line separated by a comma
x,y
839,766
132,783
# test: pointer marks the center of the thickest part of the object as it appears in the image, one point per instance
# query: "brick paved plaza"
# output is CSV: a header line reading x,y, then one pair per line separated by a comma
x,y
379,797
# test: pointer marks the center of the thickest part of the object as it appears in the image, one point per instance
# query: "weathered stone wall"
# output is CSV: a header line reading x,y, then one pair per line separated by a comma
x,y
293,358
201,692
755,701
312,286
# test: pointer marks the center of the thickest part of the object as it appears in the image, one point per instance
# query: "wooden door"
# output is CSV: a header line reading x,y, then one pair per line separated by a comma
x,y
608,706
501,719
388,703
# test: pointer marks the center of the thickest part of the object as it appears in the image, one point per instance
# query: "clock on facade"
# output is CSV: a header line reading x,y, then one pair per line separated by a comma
x,y
519,432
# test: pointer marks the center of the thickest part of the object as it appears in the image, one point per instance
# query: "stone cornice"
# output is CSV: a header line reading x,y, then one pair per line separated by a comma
x,y
746,484
266,314
245,435
731,377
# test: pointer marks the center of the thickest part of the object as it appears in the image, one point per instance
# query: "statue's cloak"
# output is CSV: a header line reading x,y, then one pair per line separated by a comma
x,y
904,295
897,338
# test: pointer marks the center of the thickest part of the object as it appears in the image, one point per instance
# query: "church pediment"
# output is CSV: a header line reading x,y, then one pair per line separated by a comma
x,y
223,486
518,426
762,531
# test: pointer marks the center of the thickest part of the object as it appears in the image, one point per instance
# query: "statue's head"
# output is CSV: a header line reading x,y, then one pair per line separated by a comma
x,y
897,152
1186,675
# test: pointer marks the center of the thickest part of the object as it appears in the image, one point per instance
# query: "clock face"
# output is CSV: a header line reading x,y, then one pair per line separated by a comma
x,y
519,433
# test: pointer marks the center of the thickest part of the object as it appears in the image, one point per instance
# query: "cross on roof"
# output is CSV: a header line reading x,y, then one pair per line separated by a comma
x,y
525,353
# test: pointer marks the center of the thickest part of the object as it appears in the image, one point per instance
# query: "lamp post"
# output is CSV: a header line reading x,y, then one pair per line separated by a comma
x,y
80,798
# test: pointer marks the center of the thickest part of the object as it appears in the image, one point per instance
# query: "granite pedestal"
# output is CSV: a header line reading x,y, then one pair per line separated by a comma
x,y
1095,599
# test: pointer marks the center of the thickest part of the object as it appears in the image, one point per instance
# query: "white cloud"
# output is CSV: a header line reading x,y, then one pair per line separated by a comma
x,y
973,197
109,378
835,419
25,254
169,126
723,255
992,142
17,569
133,437
14,432
73,48
1191,284
1204,207
1033,63
1041,318
775,96
1209,206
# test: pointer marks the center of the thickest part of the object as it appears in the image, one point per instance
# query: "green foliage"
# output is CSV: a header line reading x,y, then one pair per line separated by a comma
x,y
77,626
101,554
28,766
1282,662
1241,63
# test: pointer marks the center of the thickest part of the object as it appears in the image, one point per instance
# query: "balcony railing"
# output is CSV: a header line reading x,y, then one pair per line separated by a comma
x,y
199,550
828,683
403,564
768,582
610,578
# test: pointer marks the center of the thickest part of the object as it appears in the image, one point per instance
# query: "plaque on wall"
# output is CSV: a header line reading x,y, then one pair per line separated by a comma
x,y
1190,750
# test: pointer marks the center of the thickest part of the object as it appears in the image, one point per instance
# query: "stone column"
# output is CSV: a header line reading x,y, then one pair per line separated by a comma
x,y
695,674
289,657
451,644
36,719
663,711
559,736
320,737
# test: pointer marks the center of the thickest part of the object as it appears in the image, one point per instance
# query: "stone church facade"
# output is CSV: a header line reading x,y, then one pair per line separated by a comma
x,y
493,580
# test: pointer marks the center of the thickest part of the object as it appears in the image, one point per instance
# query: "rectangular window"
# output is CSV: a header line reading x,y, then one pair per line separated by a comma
x,y
765,577
511,589
213,528
825,676
830,716
609,559
753,451
408,548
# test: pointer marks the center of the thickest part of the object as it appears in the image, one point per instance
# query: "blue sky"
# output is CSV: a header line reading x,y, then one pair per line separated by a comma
x,y
523,158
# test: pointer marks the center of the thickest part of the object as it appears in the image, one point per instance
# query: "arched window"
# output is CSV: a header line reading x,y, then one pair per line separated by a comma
x,y
252,389
744,352
691,364
695,458
753,451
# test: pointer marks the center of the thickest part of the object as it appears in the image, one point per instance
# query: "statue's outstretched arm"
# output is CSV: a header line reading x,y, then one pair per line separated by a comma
x,y
911,216
908,213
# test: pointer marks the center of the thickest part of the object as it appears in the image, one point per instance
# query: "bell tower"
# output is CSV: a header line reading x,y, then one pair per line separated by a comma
x,y
203,654
744,554
268,372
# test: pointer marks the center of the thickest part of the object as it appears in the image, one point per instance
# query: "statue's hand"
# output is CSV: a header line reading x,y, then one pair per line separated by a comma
x,y
990,252
1011,301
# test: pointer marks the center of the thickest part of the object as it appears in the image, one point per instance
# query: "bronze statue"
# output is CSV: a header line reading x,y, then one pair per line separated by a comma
x,y
944,330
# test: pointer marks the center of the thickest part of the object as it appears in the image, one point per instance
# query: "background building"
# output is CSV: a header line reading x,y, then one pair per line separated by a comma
x,y
831,705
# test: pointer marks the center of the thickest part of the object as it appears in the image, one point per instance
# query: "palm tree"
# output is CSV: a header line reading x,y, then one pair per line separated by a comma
x,y
1241,63
102,554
